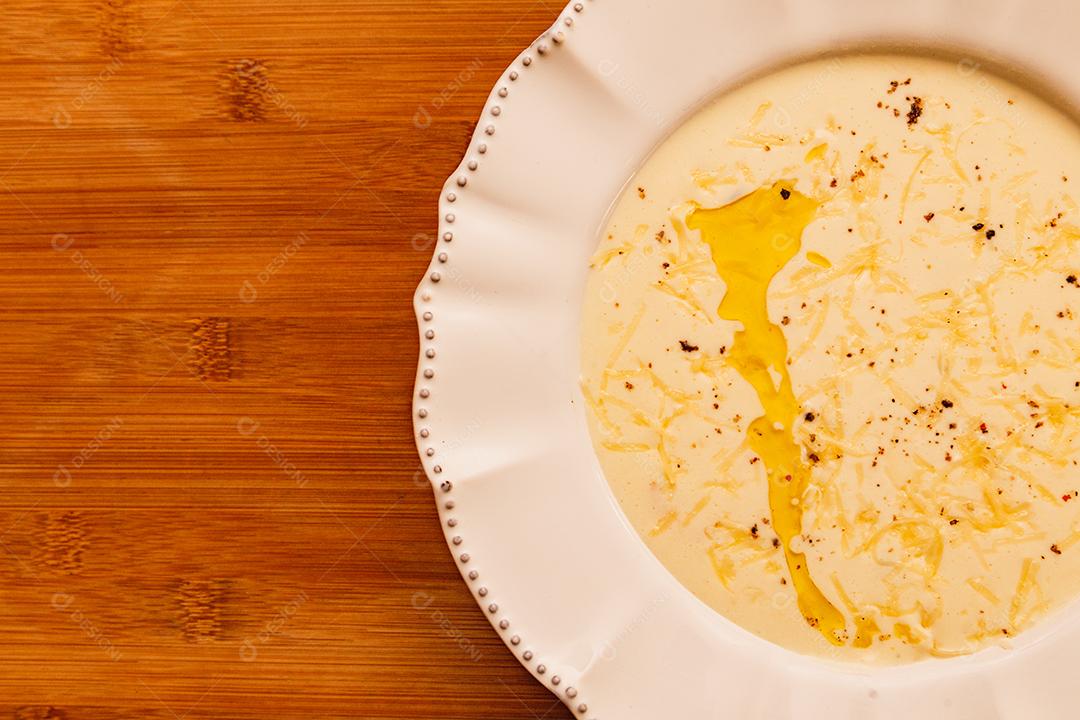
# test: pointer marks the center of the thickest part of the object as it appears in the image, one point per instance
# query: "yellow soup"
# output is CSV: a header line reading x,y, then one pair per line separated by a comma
x,y
831,358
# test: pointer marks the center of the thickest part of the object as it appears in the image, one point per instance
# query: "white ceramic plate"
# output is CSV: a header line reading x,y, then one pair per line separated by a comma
x,y
500,419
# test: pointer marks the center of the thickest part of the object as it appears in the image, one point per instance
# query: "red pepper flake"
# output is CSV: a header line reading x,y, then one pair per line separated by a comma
x,y
895,85
1066,497
982,426
629,385
687,347
928,217
641,193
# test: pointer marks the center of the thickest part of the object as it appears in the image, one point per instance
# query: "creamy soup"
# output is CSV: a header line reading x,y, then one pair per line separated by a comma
x,y
831,352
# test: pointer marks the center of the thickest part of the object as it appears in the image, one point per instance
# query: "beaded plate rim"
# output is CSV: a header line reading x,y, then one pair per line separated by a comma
x,y
458,182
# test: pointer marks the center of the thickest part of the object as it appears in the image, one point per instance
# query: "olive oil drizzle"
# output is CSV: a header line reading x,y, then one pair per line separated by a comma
x,y
753,239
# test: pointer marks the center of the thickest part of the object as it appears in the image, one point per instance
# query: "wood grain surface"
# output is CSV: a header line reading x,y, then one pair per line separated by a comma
x,y
214,214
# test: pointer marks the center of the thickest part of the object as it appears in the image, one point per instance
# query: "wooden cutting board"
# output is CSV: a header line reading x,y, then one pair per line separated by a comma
x,y
213,217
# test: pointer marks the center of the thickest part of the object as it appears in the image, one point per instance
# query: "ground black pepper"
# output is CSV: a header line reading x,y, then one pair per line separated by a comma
x,y
916,110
